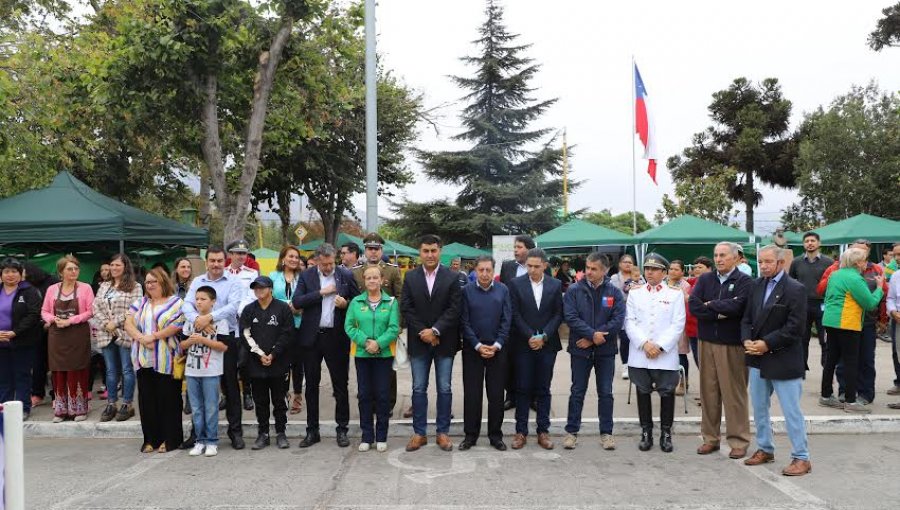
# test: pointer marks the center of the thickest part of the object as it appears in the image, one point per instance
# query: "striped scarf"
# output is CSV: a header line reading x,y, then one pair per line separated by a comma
x,y
161,357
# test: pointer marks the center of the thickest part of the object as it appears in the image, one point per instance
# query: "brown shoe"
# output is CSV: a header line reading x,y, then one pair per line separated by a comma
x,y
760,457
679,390
544,441
706,449
408,412
797,468
444,443
416,442
518,442
737,453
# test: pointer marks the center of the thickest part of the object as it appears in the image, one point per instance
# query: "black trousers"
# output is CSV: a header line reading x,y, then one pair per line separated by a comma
x,y
480,374
266,391
843,345
334,348
813,316
232,390
159,401
40,368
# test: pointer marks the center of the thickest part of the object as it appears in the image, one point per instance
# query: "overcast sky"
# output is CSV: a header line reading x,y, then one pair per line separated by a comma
x,y
685,51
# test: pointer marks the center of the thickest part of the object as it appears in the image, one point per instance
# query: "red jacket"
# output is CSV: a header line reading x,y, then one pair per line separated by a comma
x,y
690,325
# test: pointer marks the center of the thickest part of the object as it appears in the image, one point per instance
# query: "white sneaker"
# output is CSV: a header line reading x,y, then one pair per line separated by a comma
x,y
381,447
58,419
197,450
364,447
212,450
81,417
625,372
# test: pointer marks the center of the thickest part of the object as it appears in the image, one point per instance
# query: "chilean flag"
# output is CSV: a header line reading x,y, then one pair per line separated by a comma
x,y
643,123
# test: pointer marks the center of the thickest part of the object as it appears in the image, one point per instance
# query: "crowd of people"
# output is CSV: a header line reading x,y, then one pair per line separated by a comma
x,y
256,339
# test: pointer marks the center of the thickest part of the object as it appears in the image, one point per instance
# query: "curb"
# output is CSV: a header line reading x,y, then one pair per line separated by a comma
x,y
871,424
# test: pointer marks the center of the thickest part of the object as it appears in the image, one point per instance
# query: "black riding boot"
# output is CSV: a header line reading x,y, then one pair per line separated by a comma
x,y
666,417
645,413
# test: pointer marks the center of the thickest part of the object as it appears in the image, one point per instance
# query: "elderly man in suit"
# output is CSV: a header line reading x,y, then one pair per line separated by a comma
x,y
537,314
323,292
429,304
773,329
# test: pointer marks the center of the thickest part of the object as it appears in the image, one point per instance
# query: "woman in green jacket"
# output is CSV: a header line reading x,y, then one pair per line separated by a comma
x,y
373,324
847,298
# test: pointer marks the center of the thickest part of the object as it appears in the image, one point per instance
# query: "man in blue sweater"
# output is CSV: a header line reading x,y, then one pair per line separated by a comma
x,y
594,309
486,317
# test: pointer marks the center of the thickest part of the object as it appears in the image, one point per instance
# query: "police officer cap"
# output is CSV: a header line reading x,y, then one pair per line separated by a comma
x,y
373,240
239,246
656,260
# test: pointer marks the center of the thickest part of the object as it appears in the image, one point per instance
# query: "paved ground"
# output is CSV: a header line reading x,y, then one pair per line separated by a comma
x,y
560,391
849,472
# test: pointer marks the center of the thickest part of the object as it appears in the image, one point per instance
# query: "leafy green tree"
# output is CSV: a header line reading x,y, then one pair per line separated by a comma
x,y
849,158
750,135
887,30
705,198
506,188
622,222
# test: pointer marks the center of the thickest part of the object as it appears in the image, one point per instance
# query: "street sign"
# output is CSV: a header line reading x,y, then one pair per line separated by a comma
x,y
300,232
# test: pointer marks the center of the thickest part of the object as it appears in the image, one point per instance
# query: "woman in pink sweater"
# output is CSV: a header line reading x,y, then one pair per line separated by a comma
x,y
67,308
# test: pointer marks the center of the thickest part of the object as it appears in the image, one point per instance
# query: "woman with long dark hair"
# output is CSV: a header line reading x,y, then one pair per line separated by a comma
x,y
20,331
287,272
182,276
114,297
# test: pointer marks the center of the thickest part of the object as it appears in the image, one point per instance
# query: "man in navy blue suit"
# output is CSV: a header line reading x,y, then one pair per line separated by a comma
x,y
323,292
537,314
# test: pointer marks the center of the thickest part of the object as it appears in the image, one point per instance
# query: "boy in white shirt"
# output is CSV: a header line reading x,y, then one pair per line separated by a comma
x,y
204,366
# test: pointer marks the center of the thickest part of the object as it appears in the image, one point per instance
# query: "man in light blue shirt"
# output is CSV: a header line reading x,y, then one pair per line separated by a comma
x,y
229,291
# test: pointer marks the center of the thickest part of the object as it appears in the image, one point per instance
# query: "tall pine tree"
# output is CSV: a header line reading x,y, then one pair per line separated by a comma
x,y
506,188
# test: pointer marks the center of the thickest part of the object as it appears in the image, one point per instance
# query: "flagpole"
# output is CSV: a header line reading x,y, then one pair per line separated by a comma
x,y
633,168
565,182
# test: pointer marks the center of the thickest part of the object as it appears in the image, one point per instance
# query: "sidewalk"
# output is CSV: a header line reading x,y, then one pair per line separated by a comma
x,y
819,419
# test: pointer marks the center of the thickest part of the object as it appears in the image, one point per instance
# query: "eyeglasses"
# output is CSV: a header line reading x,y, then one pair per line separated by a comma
x,y
150,282
72,269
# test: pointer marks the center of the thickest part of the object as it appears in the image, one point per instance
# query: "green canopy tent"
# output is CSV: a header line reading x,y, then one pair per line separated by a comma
x,y
688,237
390,247
69,213
463,251
582,234
865,226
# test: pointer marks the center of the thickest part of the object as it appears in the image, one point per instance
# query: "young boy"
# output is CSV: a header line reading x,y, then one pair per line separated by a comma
x,y
268,326
203,368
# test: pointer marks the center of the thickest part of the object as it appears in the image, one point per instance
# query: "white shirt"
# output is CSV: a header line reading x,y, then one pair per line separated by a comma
x,y
654,313
893,297
246,276
327,318
538,289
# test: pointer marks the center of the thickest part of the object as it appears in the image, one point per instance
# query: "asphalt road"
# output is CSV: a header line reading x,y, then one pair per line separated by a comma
x,y
849,471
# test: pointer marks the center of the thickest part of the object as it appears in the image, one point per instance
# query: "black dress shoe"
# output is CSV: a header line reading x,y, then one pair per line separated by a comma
x,y
646,440
466,444
342,440
261,442
665,441
310,439
237,442
248,402
499,445
508,404
189,443
282,442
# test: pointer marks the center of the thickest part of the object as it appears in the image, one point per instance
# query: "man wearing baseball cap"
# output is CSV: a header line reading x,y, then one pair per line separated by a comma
x,y
267,326
654,319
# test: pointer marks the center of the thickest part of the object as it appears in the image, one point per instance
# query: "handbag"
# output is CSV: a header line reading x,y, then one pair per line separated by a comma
x,y
401,357
178,367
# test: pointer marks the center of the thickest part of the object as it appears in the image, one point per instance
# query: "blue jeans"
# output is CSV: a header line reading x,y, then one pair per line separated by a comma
x,y
204,395
15,375
604,368
865,386
789,393
373,382
117,357
443,371
534,374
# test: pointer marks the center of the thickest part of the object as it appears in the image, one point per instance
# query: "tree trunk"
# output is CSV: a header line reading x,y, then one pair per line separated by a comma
x,y
211,146
283,197
749,201
262,88
204,198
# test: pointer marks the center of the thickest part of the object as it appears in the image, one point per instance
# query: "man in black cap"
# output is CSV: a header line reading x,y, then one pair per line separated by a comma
x,y
267,325
237,253
391,283
654,319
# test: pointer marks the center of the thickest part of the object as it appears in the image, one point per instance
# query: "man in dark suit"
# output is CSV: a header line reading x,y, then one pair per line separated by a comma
x,y
537,313
323,293
509,270
773,329
429,304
